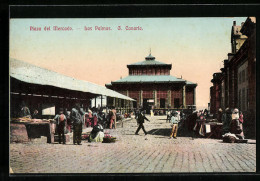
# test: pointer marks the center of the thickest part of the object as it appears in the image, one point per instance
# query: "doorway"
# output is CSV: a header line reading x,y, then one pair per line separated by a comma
x,y
147,105
176,102
162,103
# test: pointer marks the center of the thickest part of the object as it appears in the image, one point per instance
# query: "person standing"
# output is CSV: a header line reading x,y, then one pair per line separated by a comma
x,y
168,116
89,118
226,120
61,122
76,114
112,118
241,121
219,116
95,117
174,124
140,120
236,125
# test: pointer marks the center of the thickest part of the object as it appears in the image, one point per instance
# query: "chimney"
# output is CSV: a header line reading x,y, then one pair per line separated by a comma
x,y
234,23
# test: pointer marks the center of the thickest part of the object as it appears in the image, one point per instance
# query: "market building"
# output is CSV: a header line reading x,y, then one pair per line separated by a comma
x,y
39,87
235,85
47,91
149,82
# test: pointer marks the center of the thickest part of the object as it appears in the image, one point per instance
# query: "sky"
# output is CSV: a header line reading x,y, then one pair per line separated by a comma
x,y
196,47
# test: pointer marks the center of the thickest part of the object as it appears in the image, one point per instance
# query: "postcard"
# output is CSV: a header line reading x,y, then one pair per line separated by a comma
x,y
132,95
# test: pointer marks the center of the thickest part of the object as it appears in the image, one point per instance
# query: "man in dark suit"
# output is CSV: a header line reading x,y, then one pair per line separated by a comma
x,y
76,117
140,120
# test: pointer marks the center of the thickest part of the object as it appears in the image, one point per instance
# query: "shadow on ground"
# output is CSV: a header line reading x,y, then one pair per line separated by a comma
x,y
167,132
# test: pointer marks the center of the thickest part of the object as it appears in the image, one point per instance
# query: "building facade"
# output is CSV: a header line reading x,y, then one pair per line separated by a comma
x,y
236,82
149,82
215,93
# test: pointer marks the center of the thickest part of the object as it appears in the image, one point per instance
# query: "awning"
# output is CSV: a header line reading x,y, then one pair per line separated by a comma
x,y
36,75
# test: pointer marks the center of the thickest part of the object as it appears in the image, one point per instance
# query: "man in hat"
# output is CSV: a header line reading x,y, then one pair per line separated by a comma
x,y
140,120
174,123
76,114
61,122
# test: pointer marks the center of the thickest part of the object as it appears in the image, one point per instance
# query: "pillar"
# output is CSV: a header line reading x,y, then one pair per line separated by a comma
x,y
169,98
127,101
155,98
141,98
184,96
120,105
101,100
114,101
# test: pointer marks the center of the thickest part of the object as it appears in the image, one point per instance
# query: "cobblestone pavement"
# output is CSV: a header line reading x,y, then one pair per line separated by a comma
x,y
153,153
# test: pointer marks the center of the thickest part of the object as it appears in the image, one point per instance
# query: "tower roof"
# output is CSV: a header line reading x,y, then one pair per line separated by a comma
x,y
149,57
149,60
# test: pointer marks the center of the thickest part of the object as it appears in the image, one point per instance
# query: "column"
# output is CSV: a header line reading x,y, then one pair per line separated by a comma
x,y
101,101
169,98
114,101
117,103
120,105
141,98
127,101
155,98
184,96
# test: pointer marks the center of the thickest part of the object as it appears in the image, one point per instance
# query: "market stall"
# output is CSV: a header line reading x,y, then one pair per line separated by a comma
x,y
35,128
213,130
43,93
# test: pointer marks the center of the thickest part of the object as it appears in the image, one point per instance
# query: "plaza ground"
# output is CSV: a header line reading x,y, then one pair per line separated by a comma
x,y
152,153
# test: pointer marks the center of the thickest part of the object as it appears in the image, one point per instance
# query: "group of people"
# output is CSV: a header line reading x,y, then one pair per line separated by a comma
x,y
25,112
98,116
78,117
232,120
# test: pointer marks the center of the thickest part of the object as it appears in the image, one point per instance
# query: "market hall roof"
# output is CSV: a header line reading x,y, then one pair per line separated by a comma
x,y
32,74
149,61
151,79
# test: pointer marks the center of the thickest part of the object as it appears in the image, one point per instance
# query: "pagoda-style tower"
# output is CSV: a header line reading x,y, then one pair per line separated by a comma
x,y
149,82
